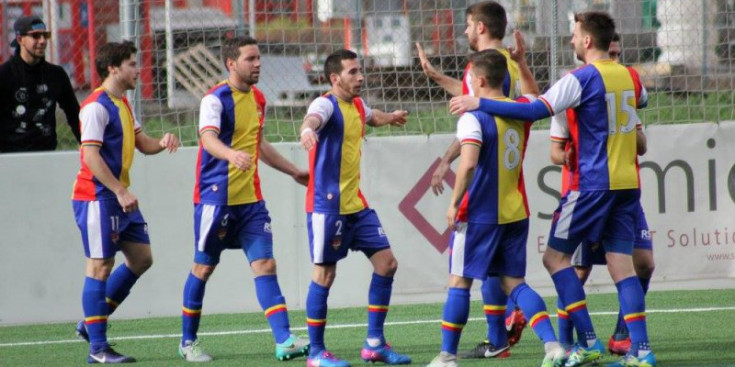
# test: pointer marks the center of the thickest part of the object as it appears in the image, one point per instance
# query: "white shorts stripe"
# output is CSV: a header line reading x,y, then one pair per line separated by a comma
x,y
94,230
458,250
565,217
317,243
205,225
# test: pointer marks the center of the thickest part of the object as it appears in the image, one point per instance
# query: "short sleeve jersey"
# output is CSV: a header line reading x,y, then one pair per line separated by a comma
x,y
107,122
497,193
334,163
511,84
237,117
598,111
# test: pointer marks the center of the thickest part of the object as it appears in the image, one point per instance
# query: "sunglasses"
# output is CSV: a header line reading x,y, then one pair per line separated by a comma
x,y
38,35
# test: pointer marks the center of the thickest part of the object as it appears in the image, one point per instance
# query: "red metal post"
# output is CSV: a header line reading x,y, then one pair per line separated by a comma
x,y
146,52
92,44
347,33
435,33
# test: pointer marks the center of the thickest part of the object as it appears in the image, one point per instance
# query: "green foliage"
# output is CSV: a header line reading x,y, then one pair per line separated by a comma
x,y
282,124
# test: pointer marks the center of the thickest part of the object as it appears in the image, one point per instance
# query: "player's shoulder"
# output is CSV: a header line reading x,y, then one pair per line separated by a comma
x,y
218,89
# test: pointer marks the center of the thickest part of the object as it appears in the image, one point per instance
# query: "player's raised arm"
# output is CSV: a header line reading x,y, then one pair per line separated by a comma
x,y
518,54
451,85
270,156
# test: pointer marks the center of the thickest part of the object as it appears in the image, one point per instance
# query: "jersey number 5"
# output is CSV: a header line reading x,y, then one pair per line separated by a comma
x,y
627,107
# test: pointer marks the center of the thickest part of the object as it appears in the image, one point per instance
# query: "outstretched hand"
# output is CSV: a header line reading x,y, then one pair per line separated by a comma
x,y
169,142
398,117
461,104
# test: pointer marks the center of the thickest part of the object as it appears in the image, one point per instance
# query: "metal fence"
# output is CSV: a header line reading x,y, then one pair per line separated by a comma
x,y
683,50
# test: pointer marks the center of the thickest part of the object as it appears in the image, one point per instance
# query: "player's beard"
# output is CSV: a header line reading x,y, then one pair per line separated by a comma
x,y
250,78
472,41
353,90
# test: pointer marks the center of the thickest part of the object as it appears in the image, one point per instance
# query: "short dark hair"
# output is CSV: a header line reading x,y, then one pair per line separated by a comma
x,y
333,64
599,25
492,65
492,15
113,54
231,47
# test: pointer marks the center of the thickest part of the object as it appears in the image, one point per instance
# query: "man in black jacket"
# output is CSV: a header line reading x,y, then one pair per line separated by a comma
x,y
31,87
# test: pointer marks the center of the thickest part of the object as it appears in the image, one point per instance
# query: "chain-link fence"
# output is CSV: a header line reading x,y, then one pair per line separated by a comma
x,y
683,50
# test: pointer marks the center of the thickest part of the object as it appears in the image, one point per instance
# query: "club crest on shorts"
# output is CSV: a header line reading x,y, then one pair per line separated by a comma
x,y
267,227
222,233
336,242
115,237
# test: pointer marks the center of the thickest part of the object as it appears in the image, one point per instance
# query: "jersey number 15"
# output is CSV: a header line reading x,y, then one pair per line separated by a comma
x,y
627,106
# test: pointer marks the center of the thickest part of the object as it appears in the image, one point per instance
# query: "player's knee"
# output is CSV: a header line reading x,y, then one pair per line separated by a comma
x,y
202,272
263,267
645,270
324,275
141,265
388,267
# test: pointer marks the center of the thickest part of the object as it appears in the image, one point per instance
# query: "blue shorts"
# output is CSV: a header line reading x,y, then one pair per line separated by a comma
x,y
589,254
331,235
104,225
479,250
221,227
608,215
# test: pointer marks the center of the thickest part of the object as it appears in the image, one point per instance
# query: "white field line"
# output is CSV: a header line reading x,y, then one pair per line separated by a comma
x,y
338,326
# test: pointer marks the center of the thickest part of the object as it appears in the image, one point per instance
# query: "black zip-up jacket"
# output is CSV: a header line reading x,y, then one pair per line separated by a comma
x,y
28,97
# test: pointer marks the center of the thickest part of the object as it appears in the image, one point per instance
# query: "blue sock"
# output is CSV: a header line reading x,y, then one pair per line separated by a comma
x,y
316,317
95,313
570,290
494,300
379,300
621,329
191,311
533,306
566,329
118,286
510,306
456,312
274,305
633,305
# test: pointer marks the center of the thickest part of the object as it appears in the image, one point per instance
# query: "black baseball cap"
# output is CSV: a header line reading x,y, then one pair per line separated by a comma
x,y
27,24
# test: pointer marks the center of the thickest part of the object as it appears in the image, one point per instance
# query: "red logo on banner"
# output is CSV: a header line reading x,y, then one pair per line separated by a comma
x,y
440,241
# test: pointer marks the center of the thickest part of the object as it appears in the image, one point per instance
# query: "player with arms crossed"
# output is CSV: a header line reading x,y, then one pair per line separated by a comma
x,y
105,211
486,24
603,198
489,214
563,153
229,210
338,216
